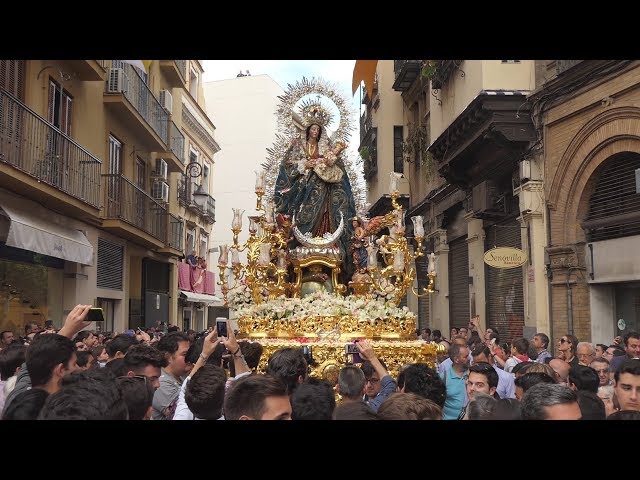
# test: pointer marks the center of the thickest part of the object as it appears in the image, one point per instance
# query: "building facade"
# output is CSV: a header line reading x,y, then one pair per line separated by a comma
x,y
587,115
88,149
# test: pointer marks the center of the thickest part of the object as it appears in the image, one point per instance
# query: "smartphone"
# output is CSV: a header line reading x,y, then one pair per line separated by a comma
x,y
221,326
95,315
352,349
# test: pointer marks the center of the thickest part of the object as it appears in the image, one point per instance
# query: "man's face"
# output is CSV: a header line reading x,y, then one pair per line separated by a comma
x,y
277,408
463,331
627,391
477,382
537,342
463,357
602,369
177,362
372,386
152,373
633,347
599,351
585,355
483,358
608,354
7,338
564,411
91,340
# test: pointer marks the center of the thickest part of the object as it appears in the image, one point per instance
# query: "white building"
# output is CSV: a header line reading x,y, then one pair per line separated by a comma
x,y
244,111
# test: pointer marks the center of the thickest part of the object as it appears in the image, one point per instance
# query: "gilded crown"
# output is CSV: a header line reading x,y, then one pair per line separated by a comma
x,y
313,112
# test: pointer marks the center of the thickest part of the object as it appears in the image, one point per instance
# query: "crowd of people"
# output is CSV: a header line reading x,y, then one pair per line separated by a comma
x,y
166,374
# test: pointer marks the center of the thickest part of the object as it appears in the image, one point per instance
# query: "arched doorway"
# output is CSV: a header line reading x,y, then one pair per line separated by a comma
x,y
612,231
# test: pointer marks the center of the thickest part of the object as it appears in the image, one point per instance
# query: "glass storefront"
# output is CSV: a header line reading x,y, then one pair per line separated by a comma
x,y
627,307
30,289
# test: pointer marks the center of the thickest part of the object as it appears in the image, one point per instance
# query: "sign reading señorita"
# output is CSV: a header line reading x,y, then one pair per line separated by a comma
x,y
505,257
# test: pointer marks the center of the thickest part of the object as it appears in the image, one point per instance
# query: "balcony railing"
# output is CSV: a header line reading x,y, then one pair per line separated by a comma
x,y
143,100
210,208
406,71
31,144
177,142
564,65
125,201
184,191
103,63
175,233
182,67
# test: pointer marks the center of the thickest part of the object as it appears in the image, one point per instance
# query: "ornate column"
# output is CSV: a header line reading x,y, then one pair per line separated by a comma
x,y
475,242
439,304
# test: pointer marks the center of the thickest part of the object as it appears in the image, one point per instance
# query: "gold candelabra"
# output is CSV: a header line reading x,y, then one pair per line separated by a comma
x,y
262,277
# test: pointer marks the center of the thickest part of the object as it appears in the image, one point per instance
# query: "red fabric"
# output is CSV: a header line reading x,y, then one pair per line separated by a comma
x,y
197,283
210,283
184,276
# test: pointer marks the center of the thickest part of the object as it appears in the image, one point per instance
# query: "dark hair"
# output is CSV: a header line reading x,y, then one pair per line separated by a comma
x,y
584,378
82,357
545,339
289,365
248,395
26,405
591,406
11,358
525,382
120,343
140,356
354,411
545,395
137,393
171,342
521,345
423,380
629,335
205,392
252,352
117,367
630,365
436,334
82,335
480,349
309,130
521,367
488,371
602,346
507,409
625,415
368,369
313,400
45,353
408,406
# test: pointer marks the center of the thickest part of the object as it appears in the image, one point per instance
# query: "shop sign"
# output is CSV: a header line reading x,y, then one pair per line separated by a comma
x,y
505,257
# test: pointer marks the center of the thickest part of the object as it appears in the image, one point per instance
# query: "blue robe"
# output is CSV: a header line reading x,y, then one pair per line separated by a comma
x,y
308,196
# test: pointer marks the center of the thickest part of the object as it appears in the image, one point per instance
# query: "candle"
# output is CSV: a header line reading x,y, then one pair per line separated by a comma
x,y
235,256
268,211
372,261
259,181
265,254
236,223
398,261
224,255
418,226
432,263
253,224
282,260
393,181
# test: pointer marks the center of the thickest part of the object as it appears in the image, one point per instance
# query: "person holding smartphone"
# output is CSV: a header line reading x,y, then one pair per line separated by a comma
x,y
388,384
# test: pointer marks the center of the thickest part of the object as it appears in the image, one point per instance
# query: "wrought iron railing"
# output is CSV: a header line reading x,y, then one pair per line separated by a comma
x,y
143,100
127,202
182,68
564,65
210,208
184,191
175,233
103,63
31,144
177,142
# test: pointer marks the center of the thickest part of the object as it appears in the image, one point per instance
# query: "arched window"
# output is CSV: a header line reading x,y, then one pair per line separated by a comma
x,y
614,207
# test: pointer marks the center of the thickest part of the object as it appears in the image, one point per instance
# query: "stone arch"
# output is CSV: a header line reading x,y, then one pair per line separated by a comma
x,y
615,131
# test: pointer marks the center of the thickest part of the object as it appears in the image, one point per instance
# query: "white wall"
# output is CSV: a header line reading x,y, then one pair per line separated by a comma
x,y
243,110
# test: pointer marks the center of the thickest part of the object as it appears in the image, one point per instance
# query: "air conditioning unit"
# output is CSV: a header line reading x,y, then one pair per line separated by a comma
x,y
484,196
160,192
160,171
116,81
166,100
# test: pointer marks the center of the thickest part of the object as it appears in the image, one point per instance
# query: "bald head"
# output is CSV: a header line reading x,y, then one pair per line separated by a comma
x,y
561,368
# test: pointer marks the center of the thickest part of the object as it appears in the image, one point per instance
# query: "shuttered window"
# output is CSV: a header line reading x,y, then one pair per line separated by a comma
x,y
12,77
110,264
423,281
614,207
505,298
459,283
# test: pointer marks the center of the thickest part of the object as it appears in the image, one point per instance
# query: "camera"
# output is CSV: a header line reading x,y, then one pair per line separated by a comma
x,y
352,349
95,315
308,354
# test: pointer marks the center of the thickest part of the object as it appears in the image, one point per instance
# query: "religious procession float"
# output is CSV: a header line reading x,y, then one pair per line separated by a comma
x,y
318,273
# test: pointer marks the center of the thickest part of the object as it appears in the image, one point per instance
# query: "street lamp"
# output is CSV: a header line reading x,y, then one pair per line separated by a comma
x,y
194,170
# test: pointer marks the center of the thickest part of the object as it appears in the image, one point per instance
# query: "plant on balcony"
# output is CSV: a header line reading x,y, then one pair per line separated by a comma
x,y
365,153
415,148
429,69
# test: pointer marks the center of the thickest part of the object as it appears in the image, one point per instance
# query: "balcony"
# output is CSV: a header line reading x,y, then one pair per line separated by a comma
x,y
175,235
185,198
174,155
131,100
175,71
366,124
188,279
406,72
564,65
89,70
38,158
130,212
209,210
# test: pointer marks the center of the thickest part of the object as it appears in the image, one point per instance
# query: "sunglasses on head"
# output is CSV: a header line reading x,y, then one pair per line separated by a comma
x,y
564,340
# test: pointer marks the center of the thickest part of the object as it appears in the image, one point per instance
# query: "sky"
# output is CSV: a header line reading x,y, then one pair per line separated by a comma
x,y
284,72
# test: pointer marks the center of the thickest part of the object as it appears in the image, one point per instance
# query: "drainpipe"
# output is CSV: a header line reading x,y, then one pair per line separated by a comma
x,y
549,277
569,304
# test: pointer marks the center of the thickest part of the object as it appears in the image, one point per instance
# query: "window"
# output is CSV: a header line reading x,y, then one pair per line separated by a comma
x,y
59,107
204,242
108,306
115,154
205,177
193,83
110,264
191,240
398,163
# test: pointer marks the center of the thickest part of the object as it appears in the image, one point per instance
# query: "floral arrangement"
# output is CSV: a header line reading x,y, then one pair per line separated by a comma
x,y
365,309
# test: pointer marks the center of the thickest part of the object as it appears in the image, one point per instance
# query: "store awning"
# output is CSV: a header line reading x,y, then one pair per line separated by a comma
x,y
30,226
201,298
364,70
